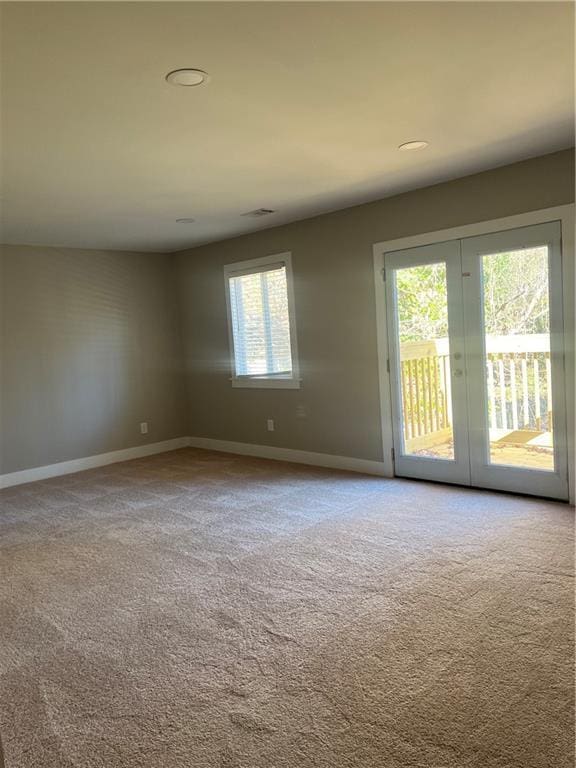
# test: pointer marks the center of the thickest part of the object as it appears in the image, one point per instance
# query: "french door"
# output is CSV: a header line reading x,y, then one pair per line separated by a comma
x,y
476,361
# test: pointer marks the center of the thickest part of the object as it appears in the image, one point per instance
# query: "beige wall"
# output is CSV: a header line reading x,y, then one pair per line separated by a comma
x,y
90,347
335,308
92,340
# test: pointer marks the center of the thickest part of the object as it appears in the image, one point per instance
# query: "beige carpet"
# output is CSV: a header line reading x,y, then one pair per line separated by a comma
x,y
197,609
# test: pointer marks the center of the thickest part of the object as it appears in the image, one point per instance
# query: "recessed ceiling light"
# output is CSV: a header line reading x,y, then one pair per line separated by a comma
x,y
184,221
187,77
412,145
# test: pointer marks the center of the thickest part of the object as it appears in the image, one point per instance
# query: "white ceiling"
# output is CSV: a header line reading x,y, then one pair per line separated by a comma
x,y
306,106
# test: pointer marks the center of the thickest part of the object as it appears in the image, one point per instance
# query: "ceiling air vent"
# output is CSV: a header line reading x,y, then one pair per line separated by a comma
x,y
259,212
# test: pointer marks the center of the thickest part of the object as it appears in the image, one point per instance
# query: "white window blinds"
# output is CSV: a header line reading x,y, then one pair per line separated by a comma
x,y
261,322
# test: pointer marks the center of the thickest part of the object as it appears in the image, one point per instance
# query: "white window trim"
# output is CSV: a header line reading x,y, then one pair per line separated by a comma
x,y
266,381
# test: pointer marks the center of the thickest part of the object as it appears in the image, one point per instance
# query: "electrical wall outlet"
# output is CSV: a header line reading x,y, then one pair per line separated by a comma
x,y
270,425
143,427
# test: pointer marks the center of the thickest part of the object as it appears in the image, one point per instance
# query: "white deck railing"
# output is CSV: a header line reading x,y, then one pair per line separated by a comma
x,y
518,379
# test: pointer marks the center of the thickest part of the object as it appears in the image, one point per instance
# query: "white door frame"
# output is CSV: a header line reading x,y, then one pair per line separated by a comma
x,y
457,469
565,214
484,472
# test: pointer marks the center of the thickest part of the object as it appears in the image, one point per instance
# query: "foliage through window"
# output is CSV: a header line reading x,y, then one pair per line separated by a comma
x,y
515,296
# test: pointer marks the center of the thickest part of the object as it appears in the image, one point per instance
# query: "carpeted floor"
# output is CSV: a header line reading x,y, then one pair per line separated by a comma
x,y
196,610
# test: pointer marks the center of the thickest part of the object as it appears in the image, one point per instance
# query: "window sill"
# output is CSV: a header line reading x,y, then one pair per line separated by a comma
x,y
265,383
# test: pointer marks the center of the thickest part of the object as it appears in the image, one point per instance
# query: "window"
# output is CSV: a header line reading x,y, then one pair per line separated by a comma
x,y
261,322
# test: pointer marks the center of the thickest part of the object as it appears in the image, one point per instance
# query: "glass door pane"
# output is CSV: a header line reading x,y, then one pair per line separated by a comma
x,y
512,283
515,294
422,308
427,376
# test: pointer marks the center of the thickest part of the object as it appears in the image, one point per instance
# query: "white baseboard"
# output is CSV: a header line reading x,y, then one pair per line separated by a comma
x,y
89,462
289,454
225,446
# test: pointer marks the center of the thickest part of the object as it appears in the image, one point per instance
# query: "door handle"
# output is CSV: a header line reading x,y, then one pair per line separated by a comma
x,y
457,355
458,372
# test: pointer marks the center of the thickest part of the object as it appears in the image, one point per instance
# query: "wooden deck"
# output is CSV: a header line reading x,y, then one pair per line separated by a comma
x,y
516,448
